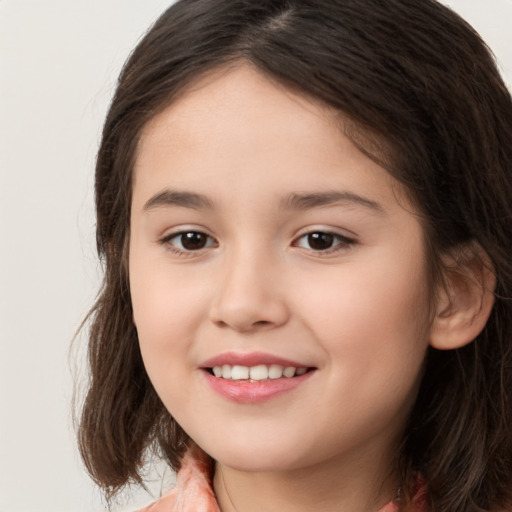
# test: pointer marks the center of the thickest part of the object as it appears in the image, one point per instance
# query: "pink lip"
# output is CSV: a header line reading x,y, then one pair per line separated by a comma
x,y
249,359
245,392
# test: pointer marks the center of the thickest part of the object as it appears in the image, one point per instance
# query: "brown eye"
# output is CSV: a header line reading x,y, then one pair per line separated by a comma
x,y
323,242
320,241
193,241
189,241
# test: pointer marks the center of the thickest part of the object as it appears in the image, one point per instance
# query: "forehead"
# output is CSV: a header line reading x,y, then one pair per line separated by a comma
x,y
211,99
236,121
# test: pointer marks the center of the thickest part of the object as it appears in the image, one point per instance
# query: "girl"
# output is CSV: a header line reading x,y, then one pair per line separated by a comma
x,y
304,210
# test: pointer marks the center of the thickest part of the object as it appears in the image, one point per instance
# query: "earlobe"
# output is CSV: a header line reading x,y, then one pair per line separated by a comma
x,y
464,302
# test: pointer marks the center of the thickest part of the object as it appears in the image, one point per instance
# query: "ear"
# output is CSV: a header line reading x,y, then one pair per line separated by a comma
x,y
464,300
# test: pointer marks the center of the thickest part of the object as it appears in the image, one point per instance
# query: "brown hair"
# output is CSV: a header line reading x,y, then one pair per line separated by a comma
x,y
408,73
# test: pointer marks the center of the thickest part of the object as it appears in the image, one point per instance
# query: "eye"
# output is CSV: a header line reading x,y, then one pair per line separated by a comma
x,y
189,241
323,241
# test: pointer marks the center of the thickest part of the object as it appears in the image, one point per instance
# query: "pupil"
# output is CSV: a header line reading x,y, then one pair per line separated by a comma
x,y
193,241
320,241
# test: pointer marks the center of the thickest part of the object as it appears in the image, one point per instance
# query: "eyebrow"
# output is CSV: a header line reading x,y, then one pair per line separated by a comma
x,y
306,201
294,201
178,198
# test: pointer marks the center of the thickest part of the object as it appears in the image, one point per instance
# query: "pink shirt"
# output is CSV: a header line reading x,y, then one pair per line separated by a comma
x,y
194,492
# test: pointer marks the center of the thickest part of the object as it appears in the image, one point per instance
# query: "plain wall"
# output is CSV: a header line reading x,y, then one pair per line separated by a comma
x,y
58,63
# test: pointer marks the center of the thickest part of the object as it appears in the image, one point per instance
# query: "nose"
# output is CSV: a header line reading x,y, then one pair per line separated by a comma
x,y
250,296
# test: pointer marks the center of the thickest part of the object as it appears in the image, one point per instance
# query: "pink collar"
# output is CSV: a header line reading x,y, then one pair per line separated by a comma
x,y
194,492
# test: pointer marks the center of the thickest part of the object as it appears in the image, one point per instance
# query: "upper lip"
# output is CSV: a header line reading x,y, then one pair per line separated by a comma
x,y
249,360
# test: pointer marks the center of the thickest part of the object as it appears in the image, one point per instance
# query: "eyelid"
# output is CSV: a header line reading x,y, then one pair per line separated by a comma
x,y
345,242
167,239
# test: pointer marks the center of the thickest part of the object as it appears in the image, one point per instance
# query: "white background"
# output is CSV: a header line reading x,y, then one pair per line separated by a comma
x,y
58,63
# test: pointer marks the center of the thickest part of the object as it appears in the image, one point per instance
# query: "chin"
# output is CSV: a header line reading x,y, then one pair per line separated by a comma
x,y
254,457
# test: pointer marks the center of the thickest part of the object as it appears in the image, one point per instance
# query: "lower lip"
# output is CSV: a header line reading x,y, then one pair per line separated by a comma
x,y
245,392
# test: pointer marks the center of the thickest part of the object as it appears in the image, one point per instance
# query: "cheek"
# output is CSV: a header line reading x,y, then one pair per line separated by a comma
x,y
167,311
166,315
378,312
371,326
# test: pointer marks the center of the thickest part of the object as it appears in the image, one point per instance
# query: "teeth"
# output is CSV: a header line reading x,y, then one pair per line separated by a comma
x,y
239,372
226,371
256,373
275,371
289,372
259,372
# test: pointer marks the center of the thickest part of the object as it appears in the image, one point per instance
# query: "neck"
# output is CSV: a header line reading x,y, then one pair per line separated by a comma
x,y
366,486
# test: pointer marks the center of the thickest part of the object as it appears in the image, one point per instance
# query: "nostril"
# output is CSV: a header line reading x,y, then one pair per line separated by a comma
x,y
247,315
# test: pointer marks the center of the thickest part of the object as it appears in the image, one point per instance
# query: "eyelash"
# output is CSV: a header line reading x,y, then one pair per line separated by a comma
x,y
340,242
168,242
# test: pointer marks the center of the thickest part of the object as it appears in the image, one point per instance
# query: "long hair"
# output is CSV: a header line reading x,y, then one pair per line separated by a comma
x,y
423,96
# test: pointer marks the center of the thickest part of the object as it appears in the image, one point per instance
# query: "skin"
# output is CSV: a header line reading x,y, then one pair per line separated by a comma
x,y
356,312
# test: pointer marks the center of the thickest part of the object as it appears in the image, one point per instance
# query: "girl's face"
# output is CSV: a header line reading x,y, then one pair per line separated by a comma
x,y
262,239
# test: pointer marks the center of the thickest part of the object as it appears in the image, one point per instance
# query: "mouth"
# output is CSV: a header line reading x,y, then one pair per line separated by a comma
x,y
255,377
257,373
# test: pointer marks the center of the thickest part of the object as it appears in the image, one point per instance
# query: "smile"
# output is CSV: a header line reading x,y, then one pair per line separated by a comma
x,y
252,378
257,373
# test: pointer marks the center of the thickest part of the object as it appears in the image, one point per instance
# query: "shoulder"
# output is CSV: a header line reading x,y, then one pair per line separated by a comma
x,y
165,504
184,500
193,491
